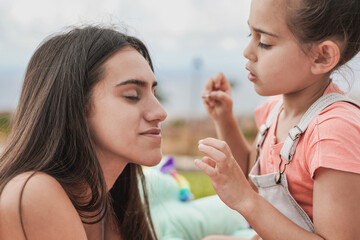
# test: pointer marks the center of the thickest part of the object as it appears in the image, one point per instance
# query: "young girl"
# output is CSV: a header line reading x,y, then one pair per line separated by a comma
x,y
86,120
313,193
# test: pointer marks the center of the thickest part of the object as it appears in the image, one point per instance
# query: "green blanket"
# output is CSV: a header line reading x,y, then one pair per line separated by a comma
x,y
194,219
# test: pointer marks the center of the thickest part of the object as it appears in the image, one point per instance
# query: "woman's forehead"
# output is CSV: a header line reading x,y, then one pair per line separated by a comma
x,y
128,64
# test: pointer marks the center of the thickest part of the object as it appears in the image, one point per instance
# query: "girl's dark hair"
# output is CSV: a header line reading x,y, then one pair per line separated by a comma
x,y
313,21
50,133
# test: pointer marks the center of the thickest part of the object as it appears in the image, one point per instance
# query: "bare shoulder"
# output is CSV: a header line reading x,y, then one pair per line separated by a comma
x,y
46,210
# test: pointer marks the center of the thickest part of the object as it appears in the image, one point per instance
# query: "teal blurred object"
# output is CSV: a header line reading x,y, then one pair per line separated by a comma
x,y
189,220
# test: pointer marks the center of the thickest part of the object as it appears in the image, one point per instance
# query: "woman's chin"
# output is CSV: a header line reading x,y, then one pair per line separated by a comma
x,y
151,161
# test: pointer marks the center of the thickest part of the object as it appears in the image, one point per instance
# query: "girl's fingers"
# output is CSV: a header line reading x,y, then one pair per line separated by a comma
x,y
209,103
209,86
203,166
212,152
220,96
216,97
221,83
209,161
217,144
218,82
206,96
219,79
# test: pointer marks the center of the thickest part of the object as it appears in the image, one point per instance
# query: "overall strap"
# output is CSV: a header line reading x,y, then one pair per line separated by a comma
x,y
265,127
289,147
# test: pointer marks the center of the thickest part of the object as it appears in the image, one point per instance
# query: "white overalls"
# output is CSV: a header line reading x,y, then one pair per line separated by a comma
x,y
274,187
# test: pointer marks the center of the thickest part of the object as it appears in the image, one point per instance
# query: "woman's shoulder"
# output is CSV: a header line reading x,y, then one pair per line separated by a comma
x,y
32,186
37,203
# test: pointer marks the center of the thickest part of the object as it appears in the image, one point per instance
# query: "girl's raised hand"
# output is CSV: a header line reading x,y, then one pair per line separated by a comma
x,y
226,175
217,97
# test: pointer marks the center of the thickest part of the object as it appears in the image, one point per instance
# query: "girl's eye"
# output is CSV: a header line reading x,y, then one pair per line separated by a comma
x,y
265,46
250,34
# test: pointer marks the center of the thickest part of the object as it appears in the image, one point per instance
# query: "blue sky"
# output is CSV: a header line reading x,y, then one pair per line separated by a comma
x,y
175,31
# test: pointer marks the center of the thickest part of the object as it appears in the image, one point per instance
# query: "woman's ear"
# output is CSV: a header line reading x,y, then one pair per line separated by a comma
x,y
325,56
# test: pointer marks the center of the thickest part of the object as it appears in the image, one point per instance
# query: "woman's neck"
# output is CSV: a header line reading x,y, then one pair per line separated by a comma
x,y
112,171
112,166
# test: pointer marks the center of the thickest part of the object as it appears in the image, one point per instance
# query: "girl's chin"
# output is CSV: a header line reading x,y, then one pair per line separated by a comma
x,y
262,92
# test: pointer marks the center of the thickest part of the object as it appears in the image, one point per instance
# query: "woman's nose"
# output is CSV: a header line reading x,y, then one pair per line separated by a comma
x,y
156,111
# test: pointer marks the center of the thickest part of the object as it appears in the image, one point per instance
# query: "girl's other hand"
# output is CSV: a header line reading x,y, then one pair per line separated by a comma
x,y
217,97
226,175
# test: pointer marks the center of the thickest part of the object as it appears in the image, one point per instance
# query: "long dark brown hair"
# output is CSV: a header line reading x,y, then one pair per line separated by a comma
x,y
50,133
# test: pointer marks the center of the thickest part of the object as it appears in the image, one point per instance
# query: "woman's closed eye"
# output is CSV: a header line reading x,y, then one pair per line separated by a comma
x,y
132,95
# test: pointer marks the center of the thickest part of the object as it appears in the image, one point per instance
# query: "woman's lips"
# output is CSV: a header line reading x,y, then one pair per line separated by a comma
x,y
153,133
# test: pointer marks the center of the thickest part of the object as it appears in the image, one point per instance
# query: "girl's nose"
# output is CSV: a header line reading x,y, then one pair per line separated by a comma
x,y
249,53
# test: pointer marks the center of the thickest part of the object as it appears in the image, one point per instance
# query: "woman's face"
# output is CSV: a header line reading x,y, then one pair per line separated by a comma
x,y
125,115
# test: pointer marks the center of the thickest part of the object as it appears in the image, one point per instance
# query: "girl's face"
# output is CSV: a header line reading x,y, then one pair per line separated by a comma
x,y
277,64
125,114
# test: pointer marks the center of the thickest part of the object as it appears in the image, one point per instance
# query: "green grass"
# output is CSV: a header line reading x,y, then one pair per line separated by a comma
x,y
5,126
200,184
5,122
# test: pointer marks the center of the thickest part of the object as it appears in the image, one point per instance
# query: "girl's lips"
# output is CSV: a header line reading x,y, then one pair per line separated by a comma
x,y
251,77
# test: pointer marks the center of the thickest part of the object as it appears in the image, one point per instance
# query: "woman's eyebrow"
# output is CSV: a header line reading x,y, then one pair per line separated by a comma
x,y
132,81
136,82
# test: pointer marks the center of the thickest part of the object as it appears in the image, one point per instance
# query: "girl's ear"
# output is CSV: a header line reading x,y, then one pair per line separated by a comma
x,y
325,56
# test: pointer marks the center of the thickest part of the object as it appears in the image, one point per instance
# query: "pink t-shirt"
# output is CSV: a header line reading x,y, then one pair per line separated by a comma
x,y
332,140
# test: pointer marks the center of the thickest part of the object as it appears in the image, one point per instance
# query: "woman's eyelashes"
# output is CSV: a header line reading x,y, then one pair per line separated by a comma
x,y
136,94
132,95
132,98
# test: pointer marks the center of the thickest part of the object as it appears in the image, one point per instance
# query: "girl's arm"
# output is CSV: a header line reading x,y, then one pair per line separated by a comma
x,y
47,212
218,103
336,211
336,196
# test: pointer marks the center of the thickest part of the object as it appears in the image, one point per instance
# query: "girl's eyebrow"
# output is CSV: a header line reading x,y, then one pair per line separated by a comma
x,y
267,33
136,82
262,31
